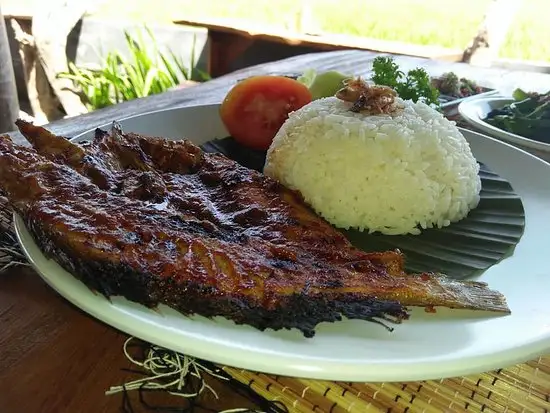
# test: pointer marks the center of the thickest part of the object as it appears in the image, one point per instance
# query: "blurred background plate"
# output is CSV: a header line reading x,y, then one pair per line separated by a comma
x,y
476,110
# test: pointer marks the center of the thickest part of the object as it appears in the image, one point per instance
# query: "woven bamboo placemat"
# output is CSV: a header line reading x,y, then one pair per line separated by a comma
x,y
521,388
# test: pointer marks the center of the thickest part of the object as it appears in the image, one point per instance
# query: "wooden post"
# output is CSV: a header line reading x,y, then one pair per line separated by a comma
x,y
9,104
224,49
492,32
51,25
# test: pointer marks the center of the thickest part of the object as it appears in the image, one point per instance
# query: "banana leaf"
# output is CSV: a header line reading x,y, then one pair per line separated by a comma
x,y
462,250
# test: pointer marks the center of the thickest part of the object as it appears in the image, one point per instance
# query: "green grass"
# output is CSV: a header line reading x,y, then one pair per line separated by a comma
x,y
148,72
428,22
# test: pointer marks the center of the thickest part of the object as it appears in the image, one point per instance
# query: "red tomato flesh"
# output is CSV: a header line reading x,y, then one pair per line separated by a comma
x,y
255,108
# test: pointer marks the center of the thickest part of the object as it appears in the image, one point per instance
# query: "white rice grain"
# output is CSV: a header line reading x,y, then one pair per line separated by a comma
x,y
389,173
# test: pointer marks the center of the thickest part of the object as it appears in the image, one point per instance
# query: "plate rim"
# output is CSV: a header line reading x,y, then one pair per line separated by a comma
x,y
533,349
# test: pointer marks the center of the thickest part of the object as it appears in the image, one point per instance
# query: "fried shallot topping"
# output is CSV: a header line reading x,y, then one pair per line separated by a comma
x,y
372,99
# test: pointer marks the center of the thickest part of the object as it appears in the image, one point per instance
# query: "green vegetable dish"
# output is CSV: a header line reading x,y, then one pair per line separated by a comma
x,y
527,116
415,85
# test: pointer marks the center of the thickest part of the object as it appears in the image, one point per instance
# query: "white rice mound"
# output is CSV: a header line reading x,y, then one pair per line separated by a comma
x,y
386,173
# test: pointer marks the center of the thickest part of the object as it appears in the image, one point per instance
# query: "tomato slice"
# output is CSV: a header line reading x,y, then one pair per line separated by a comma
x,y
255,108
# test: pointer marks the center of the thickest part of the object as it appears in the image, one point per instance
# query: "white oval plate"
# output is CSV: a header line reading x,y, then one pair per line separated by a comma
x,y
449,343
476,110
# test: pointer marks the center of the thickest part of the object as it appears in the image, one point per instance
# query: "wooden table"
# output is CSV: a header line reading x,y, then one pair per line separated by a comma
x,y
53,357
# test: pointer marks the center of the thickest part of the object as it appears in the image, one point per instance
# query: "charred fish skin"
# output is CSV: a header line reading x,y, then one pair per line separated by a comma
x,y
300,310
204,235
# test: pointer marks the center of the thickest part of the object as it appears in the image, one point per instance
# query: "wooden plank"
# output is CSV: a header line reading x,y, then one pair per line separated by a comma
x,y
66,359
322,42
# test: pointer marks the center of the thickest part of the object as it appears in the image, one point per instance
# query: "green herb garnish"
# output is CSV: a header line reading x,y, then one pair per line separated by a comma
x,y
415,85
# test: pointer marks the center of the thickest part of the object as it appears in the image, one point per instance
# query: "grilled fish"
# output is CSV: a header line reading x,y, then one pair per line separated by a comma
x,y
160,221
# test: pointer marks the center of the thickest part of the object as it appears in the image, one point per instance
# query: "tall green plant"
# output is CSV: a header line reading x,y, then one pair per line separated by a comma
x,y
145,73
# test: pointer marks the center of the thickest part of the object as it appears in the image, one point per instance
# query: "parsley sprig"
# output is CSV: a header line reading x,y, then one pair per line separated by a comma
x,y
415,85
